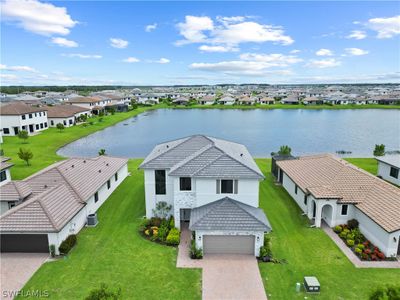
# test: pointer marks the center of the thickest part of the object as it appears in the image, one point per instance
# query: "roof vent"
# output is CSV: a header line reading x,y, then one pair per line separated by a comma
x,y
84,161
107,164
99,171
241,154
45,186
167,146
72,166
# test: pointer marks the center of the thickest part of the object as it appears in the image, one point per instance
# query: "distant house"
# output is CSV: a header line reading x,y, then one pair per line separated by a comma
x,y
66,114
312,101
247,100
181,101
5,175
291,99
331,190
149,99
17,116
206,100
265,100
227,100
95,104
389,168
213,185
57,200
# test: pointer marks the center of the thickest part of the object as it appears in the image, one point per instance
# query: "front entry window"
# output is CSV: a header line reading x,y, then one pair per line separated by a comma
x,y
185,183
344,209
160,182
227,186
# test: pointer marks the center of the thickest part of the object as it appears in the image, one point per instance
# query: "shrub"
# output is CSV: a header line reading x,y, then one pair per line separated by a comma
x,y
23,135
155,222
350,236
195,253
364,256
350,243
361,246
338,229
367,251
358,236
171,222
103,293
91,122
134,106
163,232
267,245
352,224
67,244
144,224
380,255
358,251
386,293
343,234
379,150
25,154
52,249
173,237
60,127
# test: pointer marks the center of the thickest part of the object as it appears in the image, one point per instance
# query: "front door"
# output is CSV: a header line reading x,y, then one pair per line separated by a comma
x,y
280,176
314,210
185,214
31,129
16,129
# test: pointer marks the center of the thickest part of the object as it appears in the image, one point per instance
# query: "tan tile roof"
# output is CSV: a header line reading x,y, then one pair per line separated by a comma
x,y
92,99
64,111
58,192
4,164
327,176
15,191
18,108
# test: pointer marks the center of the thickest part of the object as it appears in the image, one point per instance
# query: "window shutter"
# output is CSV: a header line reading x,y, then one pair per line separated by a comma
x,y
236,186
218,186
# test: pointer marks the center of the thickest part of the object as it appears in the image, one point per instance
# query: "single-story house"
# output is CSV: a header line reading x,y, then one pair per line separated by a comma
x,y
389,168
206,100
181,101
5,165
331,190
203,178
227,100
291,99
66,114
56,202
312,101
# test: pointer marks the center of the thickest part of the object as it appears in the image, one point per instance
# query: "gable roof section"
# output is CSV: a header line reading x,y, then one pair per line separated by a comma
x,y
203,156
326,176
228,214
15,191
19,108
4,163
64,111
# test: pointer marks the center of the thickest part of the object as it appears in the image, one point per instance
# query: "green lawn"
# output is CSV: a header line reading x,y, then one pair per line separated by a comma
x,y
45,144
309,251
114,253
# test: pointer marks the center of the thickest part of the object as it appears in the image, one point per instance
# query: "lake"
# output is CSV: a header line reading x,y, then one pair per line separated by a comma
x,y
306,131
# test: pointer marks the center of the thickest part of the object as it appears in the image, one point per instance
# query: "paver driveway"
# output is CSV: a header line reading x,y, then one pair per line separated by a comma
x,y
225,276
16,269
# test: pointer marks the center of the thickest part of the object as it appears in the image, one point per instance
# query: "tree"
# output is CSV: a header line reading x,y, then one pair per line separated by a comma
x,y
102,152
379,150
103,293
386,293
23,135
60,126
26,155
285,150
112,110
162,209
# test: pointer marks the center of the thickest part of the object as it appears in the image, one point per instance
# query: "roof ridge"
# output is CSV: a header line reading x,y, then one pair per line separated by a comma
x,y
211,162
240,204
69,183
46,211
260,174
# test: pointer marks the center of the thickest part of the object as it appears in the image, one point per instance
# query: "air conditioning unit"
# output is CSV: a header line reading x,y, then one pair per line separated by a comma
x,y
92,220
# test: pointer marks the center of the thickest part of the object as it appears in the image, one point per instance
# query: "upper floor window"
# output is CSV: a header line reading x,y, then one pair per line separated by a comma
x,y
227,186
394,172
185,183
345,208
3,175
96,197
295,189
108,184
116,176
160,182
23,117
30,116
305,199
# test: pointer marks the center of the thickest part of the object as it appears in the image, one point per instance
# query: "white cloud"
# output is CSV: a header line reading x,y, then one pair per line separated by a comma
x,y
385,27
356,51
193,29
229,31
151,27
250,64
63,42
219,48
84,56
324,52
118,43
37,17
294,51
357,34
8,76
131,60
17,68
163,60
323,63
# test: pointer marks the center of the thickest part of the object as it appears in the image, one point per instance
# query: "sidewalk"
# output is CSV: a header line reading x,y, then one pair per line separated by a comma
x,y
353,258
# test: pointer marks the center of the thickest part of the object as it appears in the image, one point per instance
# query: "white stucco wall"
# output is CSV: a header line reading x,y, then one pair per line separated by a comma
x,y
54,121
384,172
16,121
258,240
150,191
377,235
289,186
3,207
8,177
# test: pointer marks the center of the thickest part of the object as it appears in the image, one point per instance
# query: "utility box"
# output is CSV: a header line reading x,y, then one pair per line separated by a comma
x,y
92,220
311,284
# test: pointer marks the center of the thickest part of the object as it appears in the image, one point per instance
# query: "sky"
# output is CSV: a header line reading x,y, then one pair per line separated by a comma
x,y
167,43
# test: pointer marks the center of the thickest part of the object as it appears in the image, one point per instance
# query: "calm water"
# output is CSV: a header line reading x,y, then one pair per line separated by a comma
x,y
262,131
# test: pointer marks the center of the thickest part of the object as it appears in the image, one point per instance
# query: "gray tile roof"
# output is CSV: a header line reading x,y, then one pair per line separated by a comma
x,y
228,214
56,193
393,160
4,163
203,156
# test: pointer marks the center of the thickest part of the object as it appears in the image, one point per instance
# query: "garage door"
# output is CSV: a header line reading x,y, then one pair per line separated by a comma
x,y
24,243
228,244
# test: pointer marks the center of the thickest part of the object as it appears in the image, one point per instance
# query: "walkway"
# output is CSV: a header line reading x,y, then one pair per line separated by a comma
x,y
224,276
353,258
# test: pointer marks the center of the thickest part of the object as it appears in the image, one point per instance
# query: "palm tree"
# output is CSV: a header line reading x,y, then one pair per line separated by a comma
x,y
102,152
285,150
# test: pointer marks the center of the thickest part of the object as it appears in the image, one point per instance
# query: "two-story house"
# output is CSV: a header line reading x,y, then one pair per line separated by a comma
x,y
17,116
214,185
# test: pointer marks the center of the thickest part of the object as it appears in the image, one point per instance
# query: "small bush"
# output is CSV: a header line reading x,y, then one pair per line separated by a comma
x,y
195,253
155,222
358,251
338,229
352,224
173,237
350,243
67,244
163,232
171,223
343,234
144,224
386,293
103,293
52,249
361,246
